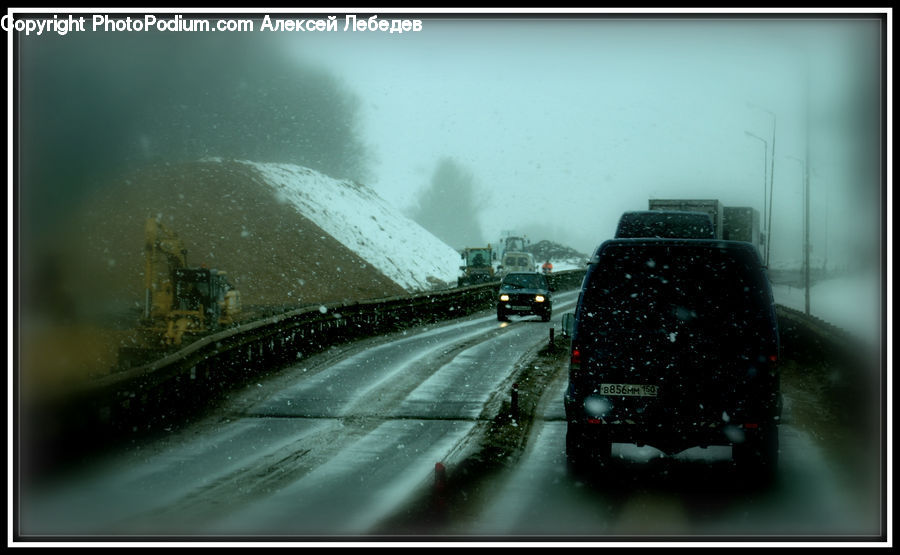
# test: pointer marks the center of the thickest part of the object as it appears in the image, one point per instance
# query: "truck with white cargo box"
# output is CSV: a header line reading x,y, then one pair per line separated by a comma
x,y
741,223
711,207
731,223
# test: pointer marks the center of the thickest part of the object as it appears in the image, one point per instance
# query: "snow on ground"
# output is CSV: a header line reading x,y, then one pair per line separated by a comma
x,y
852,303
357,217
564,265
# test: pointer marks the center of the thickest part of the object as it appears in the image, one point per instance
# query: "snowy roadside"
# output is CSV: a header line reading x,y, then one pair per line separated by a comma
x,y
852,303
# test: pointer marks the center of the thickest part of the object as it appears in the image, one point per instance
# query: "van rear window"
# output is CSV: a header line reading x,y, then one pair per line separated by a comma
x,y
668,288
517,261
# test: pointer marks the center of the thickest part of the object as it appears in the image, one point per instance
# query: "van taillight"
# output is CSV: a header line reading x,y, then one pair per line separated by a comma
x,y
576,356
772,364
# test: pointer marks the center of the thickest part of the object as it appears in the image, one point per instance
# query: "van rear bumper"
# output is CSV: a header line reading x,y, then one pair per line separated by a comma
x,y
669,433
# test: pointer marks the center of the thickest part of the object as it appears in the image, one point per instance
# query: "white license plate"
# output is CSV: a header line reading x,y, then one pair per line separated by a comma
x,y
521,308
634,390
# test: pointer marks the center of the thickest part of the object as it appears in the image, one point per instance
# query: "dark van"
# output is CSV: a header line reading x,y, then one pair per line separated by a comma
x,y
665,224
675,345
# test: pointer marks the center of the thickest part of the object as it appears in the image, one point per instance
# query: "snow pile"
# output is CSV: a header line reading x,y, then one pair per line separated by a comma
x,y
852,303
358,218
568,264
563,258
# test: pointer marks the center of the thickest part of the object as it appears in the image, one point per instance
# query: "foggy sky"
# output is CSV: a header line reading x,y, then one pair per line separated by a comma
x,y
94,106
568,122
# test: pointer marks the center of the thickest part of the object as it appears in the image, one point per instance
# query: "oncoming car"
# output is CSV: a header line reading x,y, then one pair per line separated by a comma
x,y
524,293
675,345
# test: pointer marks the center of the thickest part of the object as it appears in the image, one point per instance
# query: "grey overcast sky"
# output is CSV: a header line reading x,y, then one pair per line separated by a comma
x,y
566,122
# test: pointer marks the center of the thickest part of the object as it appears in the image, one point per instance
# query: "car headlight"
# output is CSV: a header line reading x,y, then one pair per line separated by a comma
x,y
504,297
538,298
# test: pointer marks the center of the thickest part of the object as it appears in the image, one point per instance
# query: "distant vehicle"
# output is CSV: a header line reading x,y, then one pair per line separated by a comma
x,y
741,223
524,293
517,262
674,345
179,300
511,242
711,207
478,268
732,223
665,225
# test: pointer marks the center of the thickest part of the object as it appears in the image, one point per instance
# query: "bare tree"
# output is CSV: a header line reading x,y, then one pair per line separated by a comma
x,y
448,206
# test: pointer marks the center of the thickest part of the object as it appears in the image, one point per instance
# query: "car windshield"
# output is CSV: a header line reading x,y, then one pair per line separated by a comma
x,y
515,244
478,258
525,281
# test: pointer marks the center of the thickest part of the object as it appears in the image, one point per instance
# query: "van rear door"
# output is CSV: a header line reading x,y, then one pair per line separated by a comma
x,y
693,319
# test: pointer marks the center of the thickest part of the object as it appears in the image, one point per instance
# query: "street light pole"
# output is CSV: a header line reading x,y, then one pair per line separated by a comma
x,y
806,245
771,174
805,165
765,159
825,253
806,173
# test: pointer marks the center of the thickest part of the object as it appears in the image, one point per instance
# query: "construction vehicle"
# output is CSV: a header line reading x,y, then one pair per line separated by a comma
x,y
179,300
512,243
479,266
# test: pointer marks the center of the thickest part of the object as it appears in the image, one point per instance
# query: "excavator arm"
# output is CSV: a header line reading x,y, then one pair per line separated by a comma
x,y
163,253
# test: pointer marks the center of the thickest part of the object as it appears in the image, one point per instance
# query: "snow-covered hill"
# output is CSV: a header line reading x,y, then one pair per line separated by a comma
x,y
286,237
358,218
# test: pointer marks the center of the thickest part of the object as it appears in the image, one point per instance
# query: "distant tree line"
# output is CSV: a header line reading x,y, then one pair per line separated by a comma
x,y
448,205
92,105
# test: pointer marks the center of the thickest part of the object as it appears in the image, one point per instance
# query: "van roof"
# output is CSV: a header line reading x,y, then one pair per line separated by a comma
x,y
679,242
665,224
635,283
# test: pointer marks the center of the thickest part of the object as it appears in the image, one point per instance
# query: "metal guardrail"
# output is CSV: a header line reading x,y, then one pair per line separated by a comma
x,y
161,394
831,341
313,328
157,395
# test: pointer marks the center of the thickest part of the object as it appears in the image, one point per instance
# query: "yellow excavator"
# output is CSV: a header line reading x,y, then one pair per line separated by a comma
x,y
178,299
479,266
